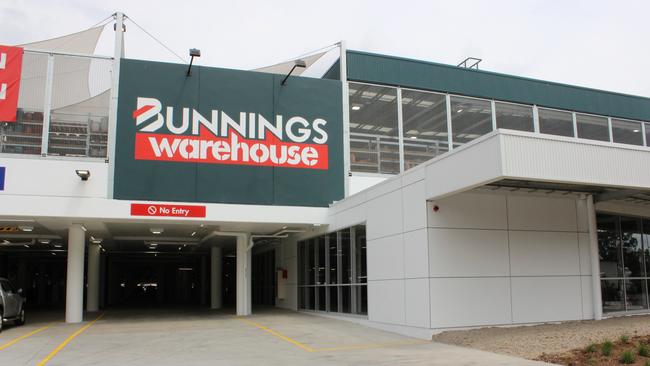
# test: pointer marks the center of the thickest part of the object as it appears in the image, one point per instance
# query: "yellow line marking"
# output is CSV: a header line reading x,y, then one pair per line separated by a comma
x,y
16,340
342,348
68,340
279,335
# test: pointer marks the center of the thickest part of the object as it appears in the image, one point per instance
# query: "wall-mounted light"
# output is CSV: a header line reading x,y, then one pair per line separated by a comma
x,y
194,52
84,174
297,63
26,228
356,107
156,231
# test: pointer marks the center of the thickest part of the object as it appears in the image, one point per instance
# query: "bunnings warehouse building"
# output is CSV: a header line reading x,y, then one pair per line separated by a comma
x,y
403,194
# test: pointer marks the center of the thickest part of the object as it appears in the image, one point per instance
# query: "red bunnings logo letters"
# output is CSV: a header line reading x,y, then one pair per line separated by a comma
x,y
220,139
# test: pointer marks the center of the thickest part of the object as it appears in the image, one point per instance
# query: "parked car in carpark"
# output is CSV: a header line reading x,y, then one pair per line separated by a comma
x,y
12,304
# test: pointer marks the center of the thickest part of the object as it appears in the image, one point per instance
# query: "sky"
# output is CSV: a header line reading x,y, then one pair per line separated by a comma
x,y
600,44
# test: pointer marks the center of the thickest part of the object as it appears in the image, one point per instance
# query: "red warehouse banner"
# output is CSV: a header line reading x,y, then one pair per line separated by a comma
x,y
11,62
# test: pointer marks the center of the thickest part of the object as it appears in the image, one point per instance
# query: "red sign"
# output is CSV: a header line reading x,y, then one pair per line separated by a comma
x,y
11,62
147,209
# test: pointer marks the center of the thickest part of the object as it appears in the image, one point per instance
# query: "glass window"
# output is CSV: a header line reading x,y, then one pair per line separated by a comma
x,y
647,134
554,122
360,242
334,298
322,298
320,278
611,260
514,116
346,269
346,300
424,119
636,294
333,253
470,119
362,300
632,247
612,293
592,127
311,262
374,142
627,132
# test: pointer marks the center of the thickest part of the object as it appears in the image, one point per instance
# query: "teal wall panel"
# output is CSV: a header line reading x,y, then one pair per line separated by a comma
x,y
230,91
388,70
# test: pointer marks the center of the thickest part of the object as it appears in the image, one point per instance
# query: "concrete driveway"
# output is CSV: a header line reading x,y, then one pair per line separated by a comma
x,y
200,337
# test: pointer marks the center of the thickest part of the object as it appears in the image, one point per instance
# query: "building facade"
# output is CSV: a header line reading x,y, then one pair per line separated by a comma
x,y
403,194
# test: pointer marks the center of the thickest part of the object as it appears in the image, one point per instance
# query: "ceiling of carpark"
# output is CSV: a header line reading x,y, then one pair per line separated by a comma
x,y
130,235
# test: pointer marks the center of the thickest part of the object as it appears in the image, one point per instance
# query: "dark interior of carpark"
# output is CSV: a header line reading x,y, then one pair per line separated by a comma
x,y
134,273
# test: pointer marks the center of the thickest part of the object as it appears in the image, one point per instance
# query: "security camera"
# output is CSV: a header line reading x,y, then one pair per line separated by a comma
x,y
83,174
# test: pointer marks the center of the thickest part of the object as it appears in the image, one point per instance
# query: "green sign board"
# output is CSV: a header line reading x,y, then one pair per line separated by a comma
x,y
227,136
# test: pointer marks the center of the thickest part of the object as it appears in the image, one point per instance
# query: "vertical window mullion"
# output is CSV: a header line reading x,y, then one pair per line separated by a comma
x,y
353,271
339,271
535,119
610,128
493,108
47,105
327,272
400,129
450,140
575,124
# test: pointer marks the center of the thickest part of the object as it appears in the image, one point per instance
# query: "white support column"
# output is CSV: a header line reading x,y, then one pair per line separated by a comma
x,y
92,293
595,259
216,273
346,117
243,275
74,290
112,111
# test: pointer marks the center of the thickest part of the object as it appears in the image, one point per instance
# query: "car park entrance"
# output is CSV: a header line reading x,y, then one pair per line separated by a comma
x,y
136,265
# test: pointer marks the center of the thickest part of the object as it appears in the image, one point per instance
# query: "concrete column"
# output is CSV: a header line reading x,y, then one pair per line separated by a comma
x,y
595,260
74,290
216,278
92,294
243,275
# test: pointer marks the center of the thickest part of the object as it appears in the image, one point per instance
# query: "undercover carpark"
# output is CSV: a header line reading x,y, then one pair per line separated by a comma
x,y
137,266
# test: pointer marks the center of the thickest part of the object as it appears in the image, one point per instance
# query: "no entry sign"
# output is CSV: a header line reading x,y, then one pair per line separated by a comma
x,y
153,209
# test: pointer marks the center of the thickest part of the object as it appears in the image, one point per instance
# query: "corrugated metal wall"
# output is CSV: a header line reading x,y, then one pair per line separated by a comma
x,y
380,69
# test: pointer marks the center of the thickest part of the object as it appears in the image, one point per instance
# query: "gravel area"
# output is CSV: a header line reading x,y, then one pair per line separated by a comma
x,y
531,341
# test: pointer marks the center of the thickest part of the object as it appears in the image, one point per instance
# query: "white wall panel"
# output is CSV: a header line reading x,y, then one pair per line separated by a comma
x,y
459,302
541,213
384,215
386,301
416,292
361,183
469,210
544,299
52,177
468,253
349,217
585,256
539,253
385,258
416,254
471,165
414,206
582,216
587,300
